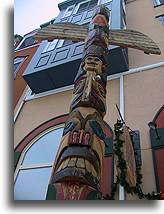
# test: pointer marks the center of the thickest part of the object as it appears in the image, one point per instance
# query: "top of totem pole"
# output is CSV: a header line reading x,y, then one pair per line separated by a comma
x,y
120,37
102,10
96,42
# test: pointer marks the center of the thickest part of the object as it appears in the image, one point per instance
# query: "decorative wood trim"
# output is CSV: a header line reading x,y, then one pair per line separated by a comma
x,y
50,123
158,114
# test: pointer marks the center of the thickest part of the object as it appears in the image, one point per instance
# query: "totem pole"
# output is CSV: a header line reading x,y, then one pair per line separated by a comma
x,y
78,165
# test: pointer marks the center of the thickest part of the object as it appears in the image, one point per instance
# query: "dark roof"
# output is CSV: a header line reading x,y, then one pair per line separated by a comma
x,y
67,3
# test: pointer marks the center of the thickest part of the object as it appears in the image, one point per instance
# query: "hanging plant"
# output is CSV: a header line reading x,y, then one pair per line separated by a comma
x,y
122,167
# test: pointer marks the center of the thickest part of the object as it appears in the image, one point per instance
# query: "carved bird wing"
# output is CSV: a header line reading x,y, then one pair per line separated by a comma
x,y
123,38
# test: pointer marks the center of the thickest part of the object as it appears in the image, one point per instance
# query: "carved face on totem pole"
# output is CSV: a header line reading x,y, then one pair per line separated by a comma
x,y
93,64
90,83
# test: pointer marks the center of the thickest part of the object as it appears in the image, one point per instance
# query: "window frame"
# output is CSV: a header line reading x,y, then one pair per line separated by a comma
x,y
24,38
20,60
50,46
104,1
66,14
160,18
78,6
20,166
157,3
25,150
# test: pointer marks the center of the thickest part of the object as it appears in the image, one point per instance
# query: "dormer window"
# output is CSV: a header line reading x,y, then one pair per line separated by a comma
x,y
104,1
158,2
85,5
69,11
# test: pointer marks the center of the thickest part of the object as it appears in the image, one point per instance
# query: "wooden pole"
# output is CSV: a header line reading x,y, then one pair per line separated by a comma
x,y
78,166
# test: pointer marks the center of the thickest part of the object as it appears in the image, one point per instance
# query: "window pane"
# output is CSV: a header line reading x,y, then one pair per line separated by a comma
x,y
27,42
83,7
32,184
44,149
16,65
92,4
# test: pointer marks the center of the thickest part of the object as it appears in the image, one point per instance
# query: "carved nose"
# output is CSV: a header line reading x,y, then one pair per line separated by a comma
x,y
88,87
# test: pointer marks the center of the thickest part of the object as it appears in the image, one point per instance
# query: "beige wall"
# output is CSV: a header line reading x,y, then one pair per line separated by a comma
x,y
141,17
144,90
143,98
37,111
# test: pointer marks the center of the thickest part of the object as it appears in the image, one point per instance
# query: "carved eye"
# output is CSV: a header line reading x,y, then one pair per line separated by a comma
x,y
97,60
97,77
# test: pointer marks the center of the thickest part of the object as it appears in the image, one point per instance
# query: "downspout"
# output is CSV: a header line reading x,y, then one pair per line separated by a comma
x,y
121,188
19,109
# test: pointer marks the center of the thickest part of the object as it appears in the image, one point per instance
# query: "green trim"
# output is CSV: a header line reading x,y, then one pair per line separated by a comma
x,y
109,146
16,158
51,192
94,195
153,136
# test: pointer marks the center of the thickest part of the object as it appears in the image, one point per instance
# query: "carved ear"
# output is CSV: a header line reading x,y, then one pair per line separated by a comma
x,y
82,64
103,67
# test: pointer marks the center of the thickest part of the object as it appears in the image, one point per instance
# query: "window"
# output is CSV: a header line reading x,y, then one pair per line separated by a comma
x,y
35,165
104,1
17,63
161,18
158,2
63,43
69,11
85,5
50,46
27,42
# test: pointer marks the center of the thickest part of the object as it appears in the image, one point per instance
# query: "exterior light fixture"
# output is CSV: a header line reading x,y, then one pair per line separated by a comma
x,y
153,126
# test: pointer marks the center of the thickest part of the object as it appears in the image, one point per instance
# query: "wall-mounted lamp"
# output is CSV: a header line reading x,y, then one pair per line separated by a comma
x,y
153,126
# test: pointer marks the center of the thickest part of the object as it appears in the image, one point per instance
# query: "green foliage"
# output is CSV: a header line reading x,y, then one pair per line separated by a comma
x,y
122,166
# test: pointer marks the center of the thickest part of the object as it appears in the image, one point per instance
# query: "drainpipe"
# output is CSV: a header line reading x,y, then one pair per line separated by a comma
x,y
121,188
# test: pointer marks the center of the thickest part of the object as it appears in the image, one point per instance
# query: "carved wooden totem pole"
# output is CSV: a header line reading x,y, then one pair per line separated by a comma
x,y
79,161
78,165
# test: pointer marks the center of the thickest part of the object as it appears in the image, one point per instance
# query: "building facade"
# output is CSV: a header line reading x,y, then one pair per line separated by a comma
x,y
135,84
25,48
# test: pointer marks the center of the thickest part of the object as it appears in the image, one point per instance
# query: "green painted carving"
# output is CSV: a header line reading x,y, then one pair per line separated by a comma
x,y
51,192
94,195
109,146
16,158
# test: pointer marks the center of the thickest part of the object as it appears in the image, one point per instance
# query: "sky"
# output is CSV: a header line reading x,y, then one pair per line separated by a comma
x,y
30,14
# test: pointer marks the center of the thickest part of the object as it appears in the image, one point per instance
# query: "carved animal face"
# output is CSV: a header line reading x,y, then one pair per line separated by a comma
x,y
94,64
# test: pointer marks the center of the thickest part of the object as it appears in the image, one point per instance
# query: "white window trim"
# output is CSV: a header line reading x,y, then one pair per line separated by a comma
x,y
34,166
60,43
66,14
112,77
124,6
104,1
20,60
25,37
124,24
157,2
50,46
77,7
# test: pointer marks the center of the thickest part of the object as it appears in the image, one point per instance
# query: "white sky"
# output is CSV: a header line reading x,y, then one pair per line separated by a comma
x,y
30,14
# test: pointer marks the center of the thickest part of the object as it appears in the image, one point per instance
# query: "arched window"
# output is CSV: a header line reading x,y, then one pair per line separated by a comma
x,y
157,143
35,163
